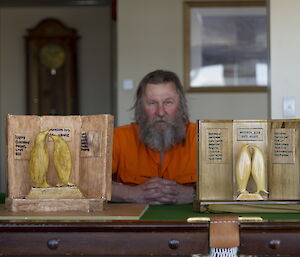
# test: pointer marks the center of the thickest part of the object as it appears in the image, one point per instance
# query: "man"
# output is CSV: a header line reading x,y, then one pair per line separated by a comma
x,y
154,159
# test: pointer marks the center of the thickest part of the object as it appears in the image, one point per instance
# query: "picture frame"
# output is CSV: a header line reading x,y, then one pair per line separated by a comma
x,y
226,46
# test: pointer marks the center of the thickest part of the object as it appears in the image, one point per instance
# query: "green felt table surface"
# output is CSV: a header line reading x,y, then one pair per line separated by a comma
x,y
184,211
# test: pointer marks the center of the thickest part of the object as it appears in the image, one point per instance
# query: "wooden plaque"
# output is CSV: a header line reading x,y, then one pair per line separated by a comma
x,y
219,145
254,133
284,160
215,154
91,173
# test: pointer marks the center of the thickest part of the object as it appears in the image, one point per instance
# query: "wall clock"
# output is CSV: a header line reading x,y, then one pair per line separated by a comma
x,y
51,67
52,56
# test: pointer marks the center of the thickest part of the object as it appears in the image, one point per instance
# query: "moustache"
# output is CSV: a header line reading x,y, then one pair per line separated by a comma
x,y
160,119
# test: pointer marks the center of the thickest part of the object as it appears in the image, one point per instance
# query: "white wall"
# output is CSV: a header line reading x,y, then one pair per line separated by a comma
x,y
285,54
94,27
150,36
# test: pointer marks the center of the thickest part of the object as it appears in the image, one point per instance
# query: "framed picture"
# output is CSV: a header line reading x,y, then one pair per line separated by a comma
x,y
226,46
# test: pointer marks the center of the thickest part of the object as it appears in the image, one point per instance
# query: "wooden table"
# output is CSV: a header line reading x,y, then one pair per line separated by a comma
x,y
171,235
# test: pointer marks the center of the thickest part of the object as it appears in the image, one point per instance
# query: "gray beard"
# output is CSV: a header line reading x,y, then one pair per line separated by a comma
x,y
162,138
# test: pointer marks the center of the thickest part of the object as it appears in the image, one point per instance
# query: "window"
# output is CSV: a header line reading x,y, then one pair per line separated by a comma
x,y
226,46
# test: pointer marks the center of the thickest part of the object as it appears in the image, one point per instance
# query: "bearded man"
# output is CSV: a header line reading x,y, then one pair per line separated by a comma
x,y
154,159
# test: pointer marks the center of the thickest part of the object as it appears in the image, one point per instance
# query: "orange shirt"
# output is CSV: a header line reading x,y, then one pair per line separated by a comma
x,y
134,163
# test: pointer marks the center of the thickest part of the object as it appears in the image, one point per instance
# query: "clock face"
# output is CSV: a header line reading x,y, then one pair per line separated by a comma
x,y
52,56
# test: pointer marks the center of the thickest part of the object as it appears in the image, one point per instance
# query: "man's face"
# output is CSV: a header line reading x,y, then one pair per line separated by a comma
x,y
160,102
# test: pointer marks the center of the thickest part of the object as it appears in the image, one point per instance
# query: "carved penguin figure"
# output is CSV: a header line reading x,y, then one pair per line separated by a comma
x,y
39,160
243,169
62,161
258,170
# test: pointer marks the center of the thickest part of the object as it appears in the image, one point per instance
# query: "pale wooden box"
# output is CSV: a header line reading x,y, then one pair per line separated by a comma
x,y
90,142
219,143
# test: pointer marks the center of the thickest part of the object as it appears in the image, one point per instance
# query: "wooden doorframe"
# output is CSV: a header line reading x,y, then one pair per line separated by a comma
x,y
20,3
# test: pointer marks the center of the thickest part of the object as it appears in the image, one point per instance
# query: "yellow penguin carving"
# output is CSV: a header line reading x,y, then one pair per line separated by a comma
x,y
39,160
243,169
62,161
258,170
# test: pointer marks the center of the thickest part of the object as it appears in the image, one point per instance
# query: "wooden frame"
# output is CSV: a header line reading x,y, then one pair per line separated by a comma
x,y
89,139
221,181
51,69
225,46
13,3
